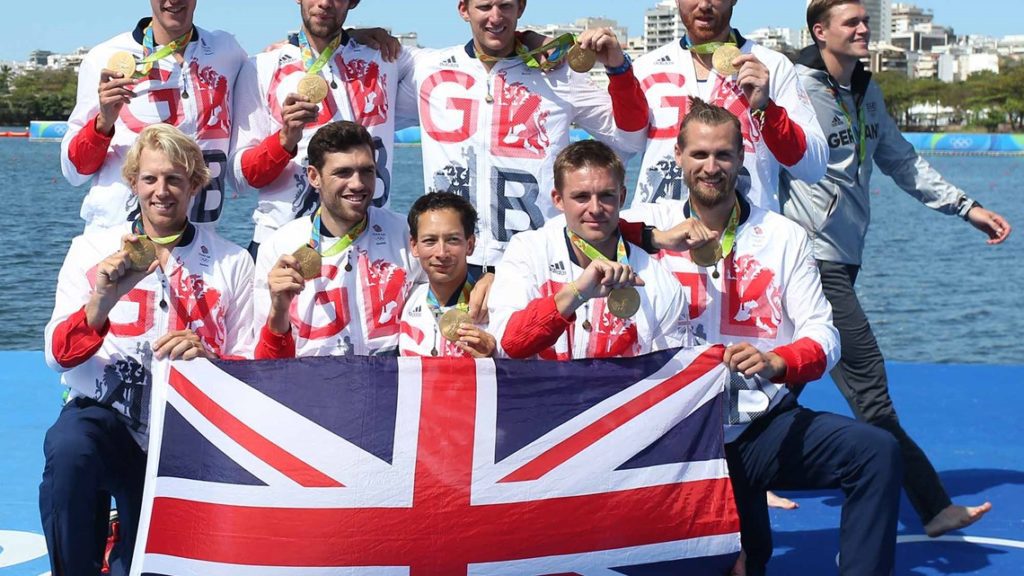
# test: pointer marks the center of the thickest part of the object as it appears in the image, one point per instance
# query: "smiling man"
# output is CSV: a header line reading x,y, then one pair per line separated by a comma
x,y
494,116
576,289
836,211
334,282
174,73
715,63
155,289
759,295
318,76
435,321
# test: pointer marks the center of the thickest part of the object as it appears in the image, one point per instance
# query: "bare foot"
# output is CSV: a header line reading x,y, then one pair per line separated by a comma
x,y
776,501
954,517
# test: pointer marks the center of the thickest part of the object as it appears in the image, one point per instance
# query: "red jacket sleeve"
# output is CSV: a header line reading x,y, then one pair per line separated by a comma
x,y
88,149
535,328
274,346
263,164
784,137
633,232
805,361
629,105
74,341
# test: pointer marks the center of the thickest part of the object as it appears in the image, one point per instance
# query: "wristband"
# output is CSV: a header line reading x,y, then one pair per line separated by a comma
x,y
971,205
621,68
647,240
576,292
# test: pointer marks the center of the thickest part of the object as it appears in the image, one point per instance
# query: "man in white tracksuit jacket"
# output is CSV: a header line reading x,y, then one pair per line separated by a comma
x,y
780,133
110,325
191,87
491,125
274,123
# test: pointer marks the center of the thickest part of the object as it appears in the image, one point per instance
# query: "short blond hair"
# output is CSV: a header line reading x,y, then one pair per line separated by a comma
x,y
179,148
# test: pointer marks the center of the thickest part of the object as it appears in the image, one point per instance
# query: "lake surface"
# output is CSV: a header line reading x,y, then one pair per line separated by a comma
x,y
934,291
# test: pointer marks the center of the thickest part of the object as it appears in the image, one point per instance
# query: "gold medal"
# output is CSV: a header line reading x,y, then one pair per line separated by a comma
x,y
309,262
123,63
706,255
624,302
722,59
141,253
580,59
450,322
314,88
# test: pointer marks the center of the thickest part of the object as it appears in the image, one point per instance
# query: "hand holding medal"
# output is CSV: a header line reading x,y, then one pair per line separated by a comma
x,y
141,252
301,108
710,253
753,78
722,59
122,63
120,272
604,278
451,320
596,44
115,89
313,88
309,262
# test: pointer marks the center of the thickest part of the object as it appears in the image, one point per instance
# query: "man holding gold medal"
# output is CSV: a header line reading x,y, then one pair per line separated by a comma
x,y
167,70
318,76
757,291
334,282
436,320
495,112
156,289
715,63
576,289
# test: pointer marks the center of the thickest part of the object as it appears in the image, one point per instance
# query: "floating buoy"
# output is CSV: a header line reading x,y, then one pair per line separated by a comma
x,y
20,134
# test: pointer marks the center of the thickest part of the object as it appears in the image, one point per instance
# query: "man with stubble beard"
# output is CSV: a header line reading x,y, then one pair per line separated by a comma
x,y
318,76
760,296
715,63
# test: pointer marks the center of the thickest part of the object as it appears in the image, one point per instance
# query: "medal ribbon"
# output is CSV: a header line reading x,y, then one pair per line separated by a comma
x,y
559,45
315,65
729,236
149,57
708,47
139,231
595,254
463,303
315,240
862,128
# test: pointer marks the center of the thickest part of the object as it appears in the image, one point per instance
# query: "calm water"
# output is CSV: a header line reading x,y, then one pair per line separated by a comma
x,y
935,292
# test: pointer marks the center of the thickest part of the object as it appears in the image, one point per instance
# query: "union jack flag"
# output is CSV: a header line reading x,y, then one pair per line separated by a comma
x,y
440,467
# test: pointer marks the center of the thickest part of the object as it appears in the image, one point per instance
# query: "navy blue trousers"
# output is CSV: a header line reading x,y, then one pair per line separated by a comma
x,y
793,448
90,456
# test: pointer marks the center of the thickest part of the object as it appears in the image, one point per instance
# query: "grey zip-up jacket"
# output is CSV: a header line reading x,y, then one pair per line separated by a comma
x,y
836,210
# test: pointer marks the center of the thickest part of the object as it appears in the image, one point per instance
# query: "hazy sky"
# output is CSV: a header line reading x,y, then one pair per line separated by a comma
x,y
63,25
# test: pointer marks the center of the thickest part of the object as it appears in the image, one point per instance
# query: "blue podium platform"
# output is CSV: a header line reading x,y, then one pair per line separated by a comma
x,y
966,417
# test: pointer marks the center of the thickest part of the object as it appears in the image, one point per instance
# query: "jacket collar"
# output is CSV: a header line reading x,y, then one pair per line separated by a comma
x,y
140,31
471,48
811,58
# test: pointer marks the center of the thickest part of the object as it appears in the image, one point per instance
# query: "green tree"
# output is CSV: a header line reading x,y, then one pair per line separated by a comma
x,y
39,95
897,93
5,79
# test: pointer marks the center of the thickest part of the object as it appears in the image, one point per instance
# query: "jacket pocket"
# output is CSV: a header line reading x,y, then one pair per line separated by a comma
x,y
829,211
